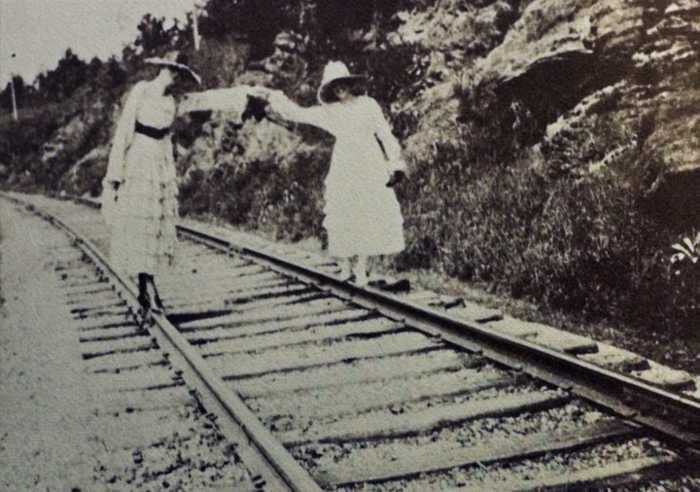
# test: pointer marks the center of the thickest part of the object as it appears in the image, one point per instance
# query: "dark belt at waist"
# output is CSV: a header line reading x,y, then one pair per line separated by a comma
x,y
149,131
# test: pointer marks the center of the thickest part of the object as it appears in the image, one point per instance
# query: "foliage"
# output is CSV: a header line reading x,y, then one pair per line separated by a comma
x,y
328,25
110,77
21,143
687,251
565,225
22,92
256,21
60,83
221,63
564,243
279,193
684,273
153,36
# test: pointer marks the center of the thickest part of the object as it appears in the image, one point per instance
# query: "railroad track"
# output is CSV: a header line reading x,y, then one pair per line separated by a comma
x,y
342,388
151,428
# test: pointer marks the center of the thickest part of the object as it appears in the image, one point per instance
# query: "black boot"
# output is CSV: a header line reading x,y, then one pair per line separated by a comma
x,y
143,298
144,301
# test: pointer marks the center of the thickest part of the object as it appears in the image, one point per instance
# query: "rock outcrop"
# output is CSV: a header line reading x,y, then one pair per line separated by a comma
x,y
85,176
569,70
75,157
634,61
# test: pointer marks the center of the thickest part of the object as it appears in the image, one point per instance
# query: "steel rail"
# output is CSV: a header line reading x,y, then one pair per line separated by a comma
x,y
669,414
290,474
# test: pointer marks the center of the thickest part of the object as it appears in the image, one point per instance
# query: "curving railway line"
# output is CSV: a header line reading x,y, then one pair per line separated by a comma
x,y
342,388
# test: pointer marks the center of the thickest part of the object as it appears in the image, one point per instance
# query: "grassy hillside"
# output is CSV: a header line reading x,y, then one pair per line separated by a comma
x,y
540,147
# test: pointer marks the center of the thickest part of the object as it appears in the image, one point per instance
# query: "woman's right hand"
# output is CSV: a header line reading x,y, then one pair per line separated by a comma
x,y
109,199
110,188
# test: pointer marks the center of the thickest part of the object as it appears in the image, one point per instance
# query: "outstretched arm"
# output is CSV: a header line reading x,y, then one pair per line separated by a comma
x,y
287,109
231,99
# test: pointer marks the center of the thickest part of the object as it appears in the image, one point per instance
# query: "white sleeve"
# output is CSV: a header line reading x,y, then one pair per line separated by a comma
x,y
289,110
232,99
389,143
123,135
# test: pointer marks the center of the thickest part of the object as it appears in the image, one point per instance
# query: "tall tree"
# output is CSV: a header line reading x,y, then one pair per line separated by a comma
x,y
153,37
256,21
70,74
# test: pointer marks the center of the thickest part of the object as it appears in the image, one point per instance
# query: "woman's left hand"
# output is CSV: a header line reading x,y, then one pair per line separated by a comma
x,y
396,177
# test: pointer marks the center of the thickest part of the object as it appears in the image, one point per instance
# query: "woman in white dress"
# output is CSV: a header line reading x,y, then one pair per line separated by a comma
x,y
139,199
362,214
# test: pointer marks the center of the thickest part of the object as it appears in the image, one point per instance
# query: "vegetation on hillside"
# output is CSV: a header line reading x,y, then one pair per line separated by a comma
x,y
490,201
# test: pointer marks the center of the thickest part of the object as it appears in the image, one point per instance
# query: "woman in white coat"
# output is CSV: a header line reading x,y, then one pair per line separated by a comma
x,y
362,214
139,199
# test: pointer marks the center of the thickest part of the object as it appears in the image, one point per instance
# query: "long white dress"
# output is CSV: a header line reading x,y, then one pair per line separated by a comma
x,y
362,215
142,220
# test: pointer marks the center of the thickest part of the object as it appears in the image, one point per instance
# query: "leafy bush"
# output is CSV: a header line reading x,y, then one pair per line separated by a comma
x,y
278,190
564,243
682,274
21,142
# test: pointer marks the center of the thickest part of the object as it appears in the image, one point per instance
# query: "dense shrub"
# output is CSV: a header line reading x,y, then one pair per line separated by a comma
x,y
580,246
21,142
280,194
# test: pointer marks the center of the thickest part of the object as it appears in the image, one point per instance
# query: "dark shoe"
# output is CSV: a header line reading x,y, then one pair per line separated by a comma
x,y
392,285
403,285
143,297
144,301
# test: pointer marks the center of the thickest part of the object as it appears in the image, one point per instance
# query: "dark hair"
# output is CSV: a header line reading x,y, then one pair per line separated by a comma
x,y
177,74
354,88
180,77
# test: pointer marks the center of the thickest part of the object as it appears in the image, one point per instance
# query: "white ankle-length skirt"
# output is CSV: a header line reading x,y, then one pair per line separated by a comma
x,y
143,235
362,215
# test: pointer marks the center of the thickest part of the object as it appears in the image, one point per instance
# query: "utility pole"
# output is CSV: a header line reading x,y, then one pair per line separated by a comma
x,y
195,26
14,99
12,91
38,78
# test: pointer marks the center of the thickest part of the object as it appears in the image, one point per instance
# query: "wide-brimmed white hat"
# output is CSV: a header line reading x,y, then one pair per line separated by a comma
x,y
175,60
334,73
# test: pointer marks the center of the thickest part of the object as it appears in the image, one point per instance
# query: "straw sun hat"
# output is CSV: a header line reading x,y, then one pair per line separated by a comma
x,y
336,73
174,60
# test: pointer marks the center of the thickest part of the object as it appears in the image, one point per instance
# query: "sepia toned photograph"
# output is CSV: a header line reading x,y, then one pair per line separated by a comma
x,y
352,246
